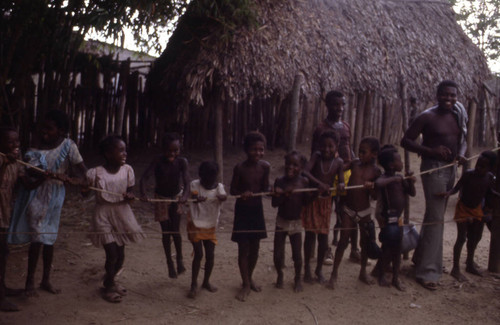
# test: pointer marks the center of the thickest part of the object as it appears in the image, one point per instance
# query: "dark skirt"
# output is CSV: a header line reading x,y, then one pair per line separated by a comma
x,y
249,223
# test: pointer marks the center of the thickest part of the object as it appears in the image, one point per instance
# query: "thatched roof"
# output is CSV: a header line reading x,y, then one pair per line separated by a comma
x,y
351,45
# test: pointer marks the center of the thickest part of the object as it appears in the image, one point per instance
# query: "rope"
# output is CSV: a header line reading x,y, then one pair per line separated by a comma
x,y
352,187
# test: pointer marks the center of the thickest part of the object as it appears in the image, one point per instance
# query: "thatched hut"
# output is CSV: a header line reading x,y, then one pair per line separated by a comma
x,y
370,49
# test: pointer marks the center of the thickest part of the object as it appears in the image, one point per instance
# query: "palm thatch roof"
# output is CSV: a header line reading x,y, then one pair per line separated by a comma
x,y
351,45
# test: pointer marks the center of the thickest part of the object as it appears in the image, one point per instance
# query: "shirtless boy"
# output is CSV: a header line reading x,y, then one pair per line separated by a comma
x,y
171,182
443,128
250,176
356,206
288,219
474,185
392,188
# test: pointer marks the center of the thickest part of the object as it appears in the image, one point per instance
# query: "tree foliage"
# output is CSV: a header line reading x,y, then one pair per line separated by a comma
x,y
480,19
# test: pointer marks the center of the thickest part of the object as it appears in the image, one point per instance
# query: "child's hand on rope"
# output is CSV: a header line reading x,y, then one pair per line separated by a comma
x,y
369,185
221,197
340,187
410,177
443,194
129,196
247,194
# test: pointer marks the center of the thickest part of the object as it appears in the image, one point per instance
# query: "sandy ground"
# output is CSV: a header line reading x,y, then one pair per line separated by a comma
x,y
154,298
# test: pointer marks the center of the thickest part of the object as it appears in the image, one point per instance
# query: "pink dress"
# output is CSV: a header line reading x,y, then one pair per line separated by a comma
x,y
113,219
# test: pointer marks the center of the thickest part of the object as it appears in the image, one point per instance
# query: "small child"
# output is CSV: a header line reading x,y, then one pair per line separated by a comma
x,y
288,220
392,190
10,172
474,185
171,182
249,227
322,169
356,207
37,212
114,224
204,216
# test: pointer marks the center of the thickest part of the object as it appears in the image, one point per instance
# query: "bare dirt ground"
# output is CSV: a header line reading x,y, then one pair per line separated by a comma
x,y
154,298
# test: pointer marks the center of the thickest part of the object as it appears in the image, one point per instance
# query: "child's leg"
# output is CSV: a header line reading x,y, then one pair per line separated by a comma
x,y
166,234
112,257
354,256
48,256
474,234
296,243
396,263
253,256
364,241
209,265
198,255
279,254
457,250
243,257
382,265
175,219
345,233
33,254
4,252
322,248
308,251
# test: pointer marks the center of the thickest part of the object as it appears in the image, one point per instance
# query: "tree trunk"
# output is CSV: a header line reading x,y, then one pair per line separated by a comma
x,y
294,112
124,72
219,142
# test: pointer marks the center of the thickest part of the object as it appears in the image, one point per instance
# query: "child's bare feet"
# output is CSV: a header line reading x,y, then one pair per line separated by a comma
x,y
396,283
382,281
8,306
355,256
243,294
308,277
47,286
297,287
331,283
472,269
29,290
363,277
9,292
192,292
119,289
171,270
207,286
111,296
279,281
255,287
180,268
455,272
319,277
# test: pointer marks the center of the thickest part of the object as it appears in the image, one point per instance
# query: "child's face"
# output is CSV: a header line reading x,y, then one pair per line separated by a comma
x,y
10,144
255,151
208,180
336,109
293,167
328,148
482,166
397,163
117,156
447,97
49,132
172,150
366,155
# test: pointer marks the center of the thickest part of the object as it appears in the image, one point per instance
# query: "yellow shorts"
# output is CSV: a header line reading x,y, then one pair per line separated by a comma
x,y
347,175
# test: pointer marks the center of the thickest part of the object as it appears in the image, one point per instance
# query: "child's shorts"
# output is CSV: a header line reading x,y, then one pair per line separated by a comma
x,y
196,234
291,227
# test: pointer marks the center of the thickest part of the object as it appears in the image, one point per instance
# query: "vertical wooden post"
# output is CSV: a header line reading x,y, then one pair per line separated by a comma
x,y
124,72
470,128
404,118
494,258
358,129
294,112
218,137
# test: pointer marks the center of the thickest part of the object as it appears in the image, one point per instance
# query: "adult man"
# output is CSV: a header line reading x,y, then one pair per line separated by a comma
x,y
443,128
335,103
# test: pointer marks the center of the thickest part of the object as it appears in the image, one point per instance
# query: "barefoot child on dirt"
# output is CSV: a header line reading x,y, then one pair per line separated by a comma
x,y
171,182
321,170
202,222
474,185
11,172
288,220
356,207
392,188
249,177
114,224
37,211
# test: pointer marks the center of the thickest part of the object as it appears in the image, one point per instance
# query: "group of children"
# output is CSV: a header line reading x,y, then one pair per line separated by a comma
x,y
36,213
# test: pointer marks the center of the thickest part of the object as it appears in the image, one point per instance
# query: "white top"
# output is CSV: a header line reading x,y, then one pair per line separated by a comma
x,y
117,183
206,214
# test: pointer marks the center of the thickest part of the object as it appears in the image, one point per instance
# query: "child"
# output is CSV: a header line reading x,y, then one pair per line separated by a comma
x,y
38,211
474,185
10,173
250,176
171,182
392,188
356,206
114,223
205,213
288,220
321,170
